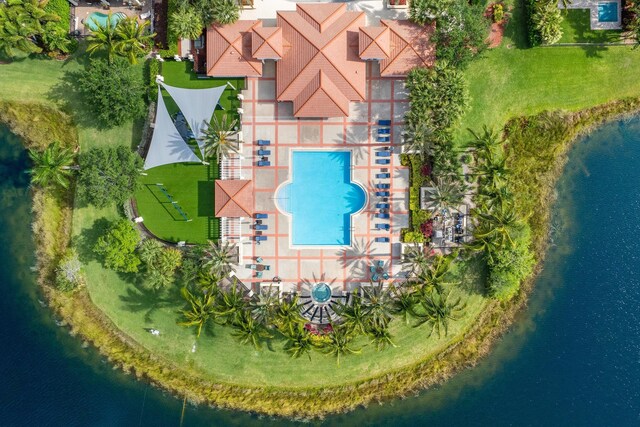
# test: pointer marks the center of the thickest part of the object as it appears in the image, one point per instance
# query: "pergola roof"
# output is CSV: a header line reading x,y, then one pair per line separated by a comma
x,y
233,198
167,146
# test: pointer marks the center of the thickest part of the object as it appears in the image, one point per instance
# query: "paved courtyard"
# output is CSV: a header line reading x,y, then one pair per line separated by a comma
x,y
342,267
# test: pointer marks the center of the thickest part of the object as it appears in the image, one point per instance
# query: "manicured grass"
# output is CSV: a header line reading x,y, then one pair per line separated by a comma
x,y
511,80
576,28
191,186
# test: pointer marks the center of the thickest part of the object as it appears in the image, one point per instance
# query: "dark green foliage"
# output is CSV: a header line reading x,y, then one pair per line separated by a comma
x,y
511,265
51,167
113,92
118,245
62,9
153,68
543,21
160,263
426,11
461,32
22,24
108,175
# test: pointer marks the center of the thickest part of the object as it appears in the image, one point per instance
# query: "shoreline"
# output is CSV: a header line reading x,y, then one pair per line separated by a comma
x,y
86,320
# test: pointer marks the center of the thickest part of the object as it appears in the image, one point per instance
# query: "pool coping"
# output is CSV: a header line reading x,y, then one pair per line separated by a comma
x,y
289,181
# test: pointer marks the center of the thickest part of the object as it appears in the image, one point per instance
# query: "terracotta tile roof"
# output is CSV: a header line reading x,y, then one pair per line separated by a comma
x,y
321,45
233,198
411,47
374,43
266,42
229,50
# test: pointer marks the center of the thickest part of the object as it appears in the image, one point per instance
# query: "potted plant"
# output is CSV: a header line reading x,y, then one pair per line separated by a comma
x,y
397,4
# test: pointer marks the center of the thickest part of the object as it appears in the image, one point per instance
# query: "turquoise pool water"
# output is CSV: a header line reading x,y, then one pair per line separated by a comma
x,y
608,12
321,198
98,18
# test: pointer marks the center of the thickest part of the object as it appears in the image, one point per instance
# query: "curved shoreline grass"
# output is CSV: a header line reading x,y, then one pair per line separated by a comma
x,y
52,217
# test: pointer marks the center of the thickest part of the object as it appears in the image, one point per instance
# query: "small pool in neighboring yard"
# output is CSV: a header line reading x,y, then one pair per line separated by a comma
x,y
97,18
608,12
320,198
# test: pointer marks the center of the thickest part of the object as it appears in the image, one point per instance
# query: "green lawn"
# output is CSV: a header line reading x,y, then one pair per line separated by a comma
x,y
576,28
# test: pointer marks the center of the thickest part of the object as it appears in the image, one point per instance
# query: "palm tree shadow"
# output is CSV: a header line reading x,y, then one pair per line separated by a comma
x,y
350,257
139,299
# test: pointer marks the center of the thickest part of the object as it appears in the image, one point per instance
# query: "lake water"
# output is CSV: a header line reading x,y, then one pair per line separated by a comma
x,y
573,358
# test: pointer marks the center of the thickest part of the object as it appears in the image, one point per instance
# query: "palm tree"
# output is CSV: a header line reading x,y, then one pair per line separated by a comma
x,y
566,3
21,23
230,304
133,39
403,302
104,38
186,23
225,11
56,40
220,137
377,305
437,311
264,306
415,259
419,138
219,258
434,277
339,344
288,313
493,170
355,318
298,342
488,141
498,224
200,312
444,195
381,337
248,331
53,166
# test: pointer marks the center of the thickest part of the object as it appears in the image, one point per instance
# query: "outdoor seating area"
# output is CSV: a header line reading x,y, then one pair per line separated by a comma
x,y
84,13
450,229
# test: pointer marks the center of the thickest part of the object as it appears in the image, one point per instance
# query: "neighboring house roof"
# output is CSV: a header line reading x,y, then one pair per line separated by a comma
x,y
233,198
266,42
320,67
229,50
411,47
374,43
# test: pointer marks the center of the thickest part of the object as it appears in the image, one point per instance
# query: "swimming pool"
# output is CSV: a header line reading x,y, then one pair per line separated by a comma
x,y
608,12
320,198
98,18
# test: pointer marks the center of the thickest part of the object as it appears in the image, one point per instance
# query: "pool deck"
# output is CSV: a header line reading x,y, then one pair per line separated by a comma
x,y
592,5
343,267
81,12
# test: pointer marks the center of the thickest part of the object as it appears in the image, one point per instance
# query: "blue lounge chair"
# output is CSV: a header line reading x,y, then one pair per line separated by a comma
x,y
261,216
384,122
382,226
384,131
264,142
385,276
382,205
382,240
374,277
383,153
264,152
380,263
260,227
264,163
382,215
383,161
261,238
383,186
382,194
383,175
383,138
259,274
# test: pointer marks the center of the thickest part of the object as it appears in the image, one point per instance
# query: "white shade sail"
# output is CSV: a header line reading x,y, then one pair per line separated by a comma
x,y
167,146
197,105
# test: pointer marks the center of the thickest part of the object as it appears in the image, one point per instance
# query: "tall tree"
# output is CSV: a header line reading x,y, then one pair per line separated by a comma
x,y
377,305
249,331
339,344
298,341
160,263
230,304
434,278
133,38
225,11
118,247
498,224
103,37
355,318
403,302
264,307
199,312
219,258
437,311
444,195
186,23
288,313
53,166
220,137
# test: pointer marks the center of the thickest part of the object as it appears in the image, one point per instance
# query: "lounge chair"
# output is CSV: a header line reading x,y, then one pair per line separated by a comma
x,y
267,267
383,153
382,194
382,240
383,138
380,263
384,131
262,142
261,216
382,205
383,226
264,163
259,259
261,238
384,122
260,227
374,277
385,276
382,215
259,274
264,152
383,161
383,186
383,175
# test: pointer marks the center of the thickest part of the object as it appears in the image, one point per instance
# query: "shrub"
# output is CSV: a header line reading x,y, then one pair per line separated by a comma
x,y
498,12
508,267
153,68
160,263
426,228
413,237
426,169
419,217
186,23
69,272
543,21
118,247
425,11
62,9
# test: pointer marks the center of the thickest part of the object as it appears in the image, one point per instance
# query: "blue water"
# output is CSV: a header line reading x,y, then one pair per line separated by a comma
x,y
572,359
321,198
608,12
96,19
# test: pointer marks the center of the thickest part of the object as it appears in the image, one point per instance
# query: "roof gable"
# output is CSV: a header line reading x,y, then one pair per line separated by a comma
x,y
266,42
374,43
229,50
233,198
411,47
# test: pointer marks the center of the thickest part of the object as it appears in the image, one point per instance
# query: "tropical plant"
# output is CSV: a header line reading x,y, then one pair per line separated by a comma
x,y
288,313
186,23
230,304
264,306
486,142
225,11
219,258
22,22
160,263
377,304
199,312
118,247
415,259
355,318
492,169
403,302
220,137
547,21
103,37
249,331
380,337
419,138
444,195
55,39
434,278
339,344
298,341
498,224
437,311
52,167
108,175
133,39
